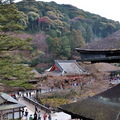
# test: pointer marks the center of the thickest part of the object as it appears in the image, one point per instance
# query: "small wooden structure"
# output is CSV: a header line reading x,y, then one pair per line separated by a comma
x,y
10,109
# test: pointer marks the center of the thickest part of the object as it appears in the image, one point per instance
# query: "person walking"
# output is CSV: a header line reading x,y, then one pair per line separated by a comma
x,y
36,110
39,117
45,116
22,112
30,118
35,116
26,113
49,117
29,94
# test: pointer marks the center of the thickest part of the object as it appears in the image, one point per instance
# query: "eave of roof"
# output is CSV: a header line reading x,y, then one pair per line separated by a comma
x,y
58,65
97,50
112,59
11,106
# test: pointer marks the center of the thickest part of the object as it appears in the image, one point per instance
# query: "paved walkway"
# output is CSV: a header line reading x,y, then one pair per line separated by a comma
x,y
31,110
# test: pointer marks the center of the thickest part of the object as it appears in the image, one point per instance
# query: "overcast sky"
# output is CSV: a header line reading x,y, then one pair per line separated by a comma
x,y
106,8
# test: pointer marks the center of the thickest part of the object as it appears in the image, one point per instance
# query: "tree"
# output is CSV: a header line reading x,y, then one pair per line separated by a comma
x,y
52,33
44,23
11,18
76,39
10,66
56,49
50,43
88,33
33,17
54,45
65,47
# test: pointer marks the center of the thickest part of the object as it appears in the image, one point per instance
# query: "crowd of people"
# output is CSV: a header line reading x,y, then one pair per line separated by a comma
x,y
115,77
25,113
36,115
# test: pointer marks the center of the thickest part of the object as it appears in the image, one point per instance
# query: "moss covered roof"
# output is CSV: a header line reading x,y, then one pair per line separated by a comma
x,y
104,106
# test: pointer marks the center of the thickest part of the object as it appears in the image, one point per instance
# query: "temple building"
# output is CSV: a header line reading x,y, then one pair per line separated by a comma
x,y
65,67
104,50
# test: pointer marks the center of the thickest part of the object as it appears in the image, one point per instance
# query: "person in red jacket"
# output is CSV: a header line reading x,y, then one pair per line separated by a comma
x,y
45,116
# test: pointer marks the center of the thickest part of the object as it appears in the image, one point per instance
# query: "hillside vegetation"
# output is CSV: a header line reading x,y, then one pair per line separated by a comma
x,y
12,71
34,32
62,27
56,30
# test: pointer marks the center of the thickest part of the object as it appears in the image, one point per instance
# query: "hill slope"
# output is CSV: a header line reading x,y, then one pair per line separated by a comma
x,y
58,29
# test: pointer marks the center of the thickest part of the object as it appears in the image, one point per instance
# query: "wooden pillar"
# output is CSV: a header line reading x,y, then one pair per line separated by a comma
x,y
13,114
19,112
7,116
1,115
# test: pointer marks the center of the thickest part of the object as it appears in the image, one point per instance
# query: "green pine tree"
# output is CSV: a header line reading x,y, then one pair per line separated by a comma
x,y
10,67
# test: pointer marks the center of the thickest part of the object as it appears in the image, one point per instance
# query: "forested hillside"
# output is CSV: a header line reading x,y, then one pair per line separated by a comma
x,y
66,26
34,32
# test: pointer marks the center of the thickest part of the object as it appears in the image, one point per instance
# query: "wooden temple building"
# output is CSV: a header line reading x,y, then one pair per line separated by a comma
x,y
65,67
104,50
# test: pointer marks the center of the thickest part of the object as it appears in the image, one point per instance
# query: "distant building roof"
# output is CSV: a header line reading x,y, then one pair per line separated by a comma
x,y
8,102
104,106
106,67
112,42
69,66
104,50
66,67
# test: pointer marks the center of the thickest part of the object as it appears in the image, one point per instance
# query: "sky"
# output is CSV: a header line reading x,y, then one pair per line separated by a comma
x,y
105,8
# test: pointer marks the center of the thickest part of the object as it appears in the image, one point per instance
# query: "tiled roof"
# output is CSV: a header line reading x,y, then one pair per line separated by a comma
x,y
110,42
8,102
69,67
104,106
8,98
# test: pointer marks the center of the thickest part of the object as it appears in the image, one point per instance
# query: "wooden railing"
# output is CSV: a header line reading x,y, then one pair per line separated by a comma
x,y
40,106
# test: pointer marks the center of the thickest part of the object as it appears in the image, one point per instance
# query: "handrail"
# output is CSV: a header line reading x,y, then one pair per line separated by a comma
x,y
42,107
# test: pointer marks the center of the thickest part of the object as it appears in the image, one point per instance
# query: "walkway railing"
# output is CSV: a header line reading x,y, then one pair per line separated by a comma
x,y
40,106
